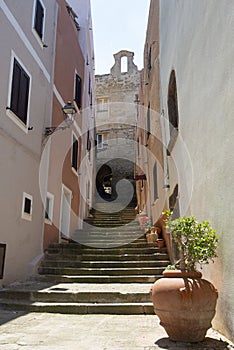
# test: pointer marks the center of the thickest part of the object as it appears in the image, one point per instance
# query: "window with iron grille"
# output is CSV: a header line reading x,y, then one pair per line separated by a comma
x,y
39,19
20,92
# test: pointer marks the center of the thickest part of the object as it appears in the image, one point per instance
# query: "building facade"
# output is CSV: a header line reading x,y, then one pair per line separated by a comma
x,y
43,69
116,112
85,37
196,82
65,146
150,181
26,71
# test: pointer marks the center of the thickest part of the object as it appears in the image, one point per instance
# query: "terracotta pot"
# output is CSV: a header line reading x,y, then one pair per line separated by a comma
x,y
185,304
160,242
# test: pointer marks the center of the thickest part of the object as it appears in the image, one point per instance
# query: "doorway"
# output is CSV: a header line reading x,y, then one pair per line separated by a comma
x,y
65,212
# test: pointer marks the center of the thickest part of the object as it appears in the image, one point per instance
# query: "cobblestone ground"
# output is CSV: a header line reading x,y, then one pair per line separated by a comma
x,y
41,331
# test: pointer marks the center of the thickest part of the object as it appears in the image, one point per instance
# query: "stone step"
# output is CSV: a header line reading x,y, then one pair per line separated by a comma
x,y
100,271
101,251
114,244
135,244
110,270
127,220
97,279
55,294
107,257
101,264
80,308
96,242
106,224
113,231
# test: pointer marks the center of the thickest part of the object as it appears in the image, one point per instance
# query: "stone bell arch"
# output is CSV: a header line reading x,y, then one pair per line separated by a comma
x,y
131,67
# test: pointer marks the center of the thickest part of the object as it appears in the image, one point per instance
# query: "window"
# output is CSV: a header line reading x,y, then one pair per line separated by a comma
x,y
155,179
27,207
49,208
173,114
99,141
75,153
88,141
78,91
39,19
124,64
2,258
149,62
89,90
102,104
19,92
148,121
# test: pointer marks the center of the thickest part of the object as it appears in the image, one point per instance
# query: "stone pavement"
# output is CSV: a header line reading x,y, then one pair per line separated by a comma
x,y
41,331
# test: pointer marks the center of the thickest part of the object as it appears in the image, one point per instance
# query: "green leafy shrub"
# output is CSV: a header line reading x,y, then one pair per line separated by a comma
x,y
197,242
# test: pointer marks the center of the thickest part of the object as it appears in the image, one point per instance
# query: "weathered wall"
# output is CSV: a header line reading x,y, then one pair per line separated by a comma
x,y
196,41
117,122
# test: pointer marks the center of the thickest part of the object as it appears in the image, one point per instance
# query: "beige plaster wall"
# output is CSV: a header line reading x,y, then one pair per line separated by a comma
x,y
196,41
21,149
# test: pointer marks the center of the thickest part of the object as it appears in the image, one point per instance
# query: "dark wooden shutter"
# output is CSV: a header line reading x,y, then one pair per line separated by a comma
x,y
20,92
75,154
23,97
39,18
15,90
78,91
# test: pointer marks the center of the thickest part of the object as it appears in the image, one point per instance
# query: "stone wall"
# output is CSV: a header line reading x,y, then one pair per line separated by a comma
x,y
116,114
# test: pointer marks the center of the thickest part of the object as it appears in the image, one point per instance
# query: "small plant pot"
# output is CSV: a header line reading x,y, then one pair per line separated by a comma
x,y
151,237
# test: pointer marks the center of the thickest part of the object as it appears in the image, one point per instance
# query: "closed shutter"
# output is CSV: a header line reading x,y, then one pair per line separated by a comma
x,y
15,91
75,154
20,92
23,97
78,91
39,17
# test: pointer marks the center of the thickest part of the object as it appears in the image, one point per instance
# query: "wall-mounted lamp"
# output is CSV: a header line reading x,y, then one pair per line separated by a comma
x,y
69,112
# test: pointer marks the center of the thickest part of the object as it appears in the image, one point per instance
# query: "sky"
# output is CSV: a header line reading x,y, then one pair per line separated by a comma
x,y
118,25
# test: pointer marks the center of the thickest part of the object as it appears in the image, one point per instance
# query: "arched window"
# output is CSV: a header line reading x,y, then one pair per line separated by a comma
x,y
172,104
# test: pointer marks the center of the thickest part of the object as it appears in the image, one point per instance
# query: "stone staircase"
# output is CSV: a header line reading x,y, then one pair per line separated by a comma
x,y
108,269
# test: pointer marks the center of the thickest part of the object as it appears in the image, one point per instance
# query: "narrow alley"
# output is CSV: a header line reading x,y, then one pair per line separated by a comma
x,y
116,141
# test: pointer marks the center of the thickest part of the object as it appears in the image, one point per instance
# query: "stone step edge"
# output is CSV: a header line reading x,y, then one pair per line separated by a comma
x,y
97,279
81,308
92,297
110,262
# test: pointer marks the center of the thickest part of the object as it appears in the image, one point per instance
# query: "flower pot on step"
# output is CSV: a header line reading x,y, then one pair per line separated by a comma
x,y
151,237
185,304
160,242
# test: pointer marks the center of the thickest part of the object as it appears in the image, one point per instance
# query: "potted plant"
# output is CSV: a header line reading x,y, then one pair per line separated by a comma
x,y
184,302
150,230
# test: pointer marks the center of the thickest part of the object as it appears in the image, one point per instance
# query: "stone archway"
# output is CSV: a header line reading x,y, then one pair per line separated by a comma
x,y
103,181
